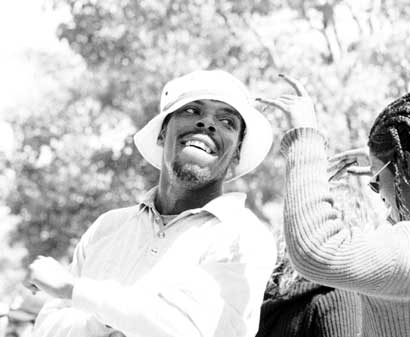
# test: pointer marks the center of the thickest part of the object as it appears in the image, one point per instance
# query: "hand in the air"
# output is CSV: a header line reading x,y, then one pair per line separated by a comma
x,y
47,274
355,161
298,107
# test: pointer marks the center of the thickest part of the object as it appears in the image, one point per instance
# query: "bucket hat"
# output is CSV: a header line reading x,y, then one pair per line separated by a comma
x,y
213,85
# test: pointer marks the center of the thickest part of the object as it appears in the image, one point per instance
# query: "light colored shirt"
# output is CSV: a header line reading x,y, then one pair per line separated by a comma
x,y
324,249
203,274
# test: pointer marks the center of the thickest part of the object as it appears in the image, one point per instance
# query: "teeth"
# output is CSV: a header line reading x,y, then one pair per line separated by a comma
x,y
199,144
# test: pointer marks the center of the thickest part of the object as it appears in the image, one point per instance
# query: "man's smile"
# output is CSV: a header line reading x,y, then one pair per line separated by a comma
x,y
200,141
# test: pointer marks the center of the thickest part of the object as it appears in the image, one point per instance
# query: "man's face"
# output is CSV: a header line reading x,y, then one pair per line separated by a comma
x,y
201,141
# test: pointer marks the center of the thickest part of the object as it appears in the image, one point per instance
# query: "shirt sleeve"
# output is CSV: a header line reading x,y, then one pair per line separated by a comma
x,y
221,296
58,318
336,314
321,246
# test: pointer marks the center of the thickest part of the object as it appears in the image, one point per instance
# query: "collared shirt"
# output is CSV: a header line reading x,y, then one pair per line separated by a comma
x,y
203,274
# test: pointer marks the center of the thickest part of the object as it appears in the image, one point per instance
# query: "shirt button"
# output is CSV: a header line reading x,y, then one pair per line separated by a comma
x,y
161,235
154,251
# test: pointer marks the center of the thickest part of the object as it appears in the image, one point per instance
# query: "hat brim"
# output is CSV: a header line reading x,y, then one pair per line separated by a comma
x,y
255,145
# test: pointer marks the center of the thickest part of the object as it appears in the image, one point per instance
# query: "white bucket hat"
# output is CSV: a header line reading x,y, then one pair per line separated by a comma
x,y
215,85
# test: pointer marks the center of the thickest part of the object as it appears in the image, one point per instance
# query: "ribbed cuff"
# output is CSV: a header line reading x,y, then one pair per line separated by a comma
x,y
312,135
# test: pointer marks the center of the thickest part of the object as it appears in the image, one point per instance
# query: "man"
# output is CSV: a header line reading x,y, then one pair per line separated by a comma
x,y
188,260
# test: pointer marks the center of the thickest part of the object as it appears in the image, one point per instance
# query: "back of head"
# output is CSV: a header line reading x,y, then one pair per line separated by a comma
x,y
389,136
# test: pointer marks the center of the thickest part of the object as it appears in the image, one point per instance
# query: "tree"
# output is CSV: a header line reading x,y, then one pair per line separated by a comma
x,y
67,171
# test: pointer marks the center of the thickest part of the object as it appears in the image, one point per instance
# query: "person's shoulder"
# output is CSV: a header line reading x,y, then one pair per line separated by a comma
x,y
251,225
119,214
109,221
255,235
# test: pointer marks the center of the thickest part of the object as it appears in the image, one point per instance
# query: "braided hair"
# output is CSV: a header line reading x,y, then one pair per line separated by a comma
x,y
389,139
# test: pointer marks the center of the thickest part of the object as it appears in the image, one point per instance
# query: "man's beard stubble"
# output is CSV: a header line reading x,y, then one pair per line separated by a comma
x,y
192,174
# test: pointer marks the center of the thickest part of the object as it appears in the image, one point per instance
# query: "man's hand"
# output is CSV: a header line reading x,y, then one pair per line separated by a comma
x,y
47,274
355,161
298,107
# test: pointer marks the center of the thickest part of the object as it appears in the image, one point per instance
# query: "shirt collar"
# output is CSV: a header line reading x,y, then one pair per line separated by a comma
x,y
222,207
149,197
226,205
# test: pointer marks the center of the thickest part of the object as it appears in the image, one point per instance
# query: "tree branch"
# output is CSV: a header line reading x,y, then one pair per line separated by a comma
x,y
268,49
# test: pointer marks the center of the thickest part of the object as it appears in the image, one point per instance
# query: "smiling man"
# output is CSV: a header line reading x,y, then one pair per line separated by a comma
x,y
188,260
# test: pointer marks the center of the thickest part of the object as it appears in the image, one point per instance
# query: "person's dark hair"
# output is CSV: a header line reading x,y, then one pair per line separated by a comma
x,y
389,139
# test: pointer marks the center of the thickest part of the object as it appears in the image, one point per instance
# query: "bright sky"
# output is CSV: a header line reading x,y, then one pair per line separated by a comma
x,y
25,25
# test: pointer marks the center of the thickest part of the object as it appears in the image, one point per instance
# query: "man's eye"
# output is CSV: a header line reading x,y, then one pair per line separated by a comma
x,y
227,122
191,111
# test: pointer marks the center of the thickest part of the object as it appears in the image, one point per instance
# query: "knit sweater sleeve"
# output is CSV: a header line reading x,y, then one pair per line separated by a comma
x,y
321,246
336,313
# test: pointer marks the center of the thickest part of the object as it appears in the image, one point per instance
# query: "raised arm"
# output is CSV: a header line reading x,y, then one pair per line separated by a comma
x,y
321,246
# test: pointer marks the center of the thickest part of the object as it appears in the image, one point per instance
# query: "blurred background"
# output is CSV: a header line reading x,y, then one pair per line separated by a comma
x,y
79,78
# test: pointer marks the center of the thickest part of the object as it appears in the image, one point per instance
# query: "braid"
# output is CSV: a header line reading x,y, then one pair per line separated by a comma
x,y
401,204
389,139
400,157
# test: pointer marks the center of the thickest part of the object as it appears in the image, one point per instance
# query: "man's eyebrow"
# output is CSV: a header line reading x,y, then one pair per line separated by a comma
x,y
199,102
230,110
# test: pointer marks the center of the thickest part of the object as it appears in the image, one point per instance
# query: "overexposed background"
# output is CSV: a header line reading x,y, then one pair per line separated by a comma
x,y
78,78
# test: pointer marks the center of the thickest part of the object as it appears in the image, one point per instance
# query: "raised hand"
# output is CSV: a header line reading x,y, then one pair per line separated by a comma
x,y
298,107
47,274
355,161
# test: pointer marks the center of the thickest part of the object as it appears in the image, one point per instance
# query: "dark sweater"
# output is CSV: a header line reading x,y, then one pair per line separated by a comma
x,y
311,310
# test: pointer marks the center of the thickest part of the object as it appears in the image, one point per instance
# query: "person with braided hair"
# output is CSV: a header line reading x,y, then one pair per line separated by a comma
x,y
389,142
372,262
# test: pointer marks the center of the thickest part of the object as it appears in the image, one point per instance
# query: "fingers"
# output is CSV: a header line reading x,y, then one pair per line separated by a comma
x,y
360,170
31,280
275,102
27,283
350,154
34,289
342,164
339,171
299,88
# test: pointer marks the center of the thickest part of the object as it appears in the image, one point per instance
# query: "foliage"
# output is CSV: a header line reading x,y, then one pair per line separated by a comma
x,y
351,56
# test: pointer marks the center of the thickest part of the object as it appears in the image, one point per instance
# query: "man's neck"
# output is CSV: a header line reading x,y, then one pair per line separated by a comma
x,y
174,198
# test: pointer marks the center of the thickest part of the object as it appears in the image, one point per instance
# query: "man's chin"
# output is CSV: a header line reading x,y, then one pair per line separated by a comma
x,y
192,174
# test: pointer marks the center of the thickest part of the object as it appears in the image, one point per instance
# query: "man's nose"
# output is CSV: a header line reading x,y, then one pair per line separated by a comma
x,y
206,123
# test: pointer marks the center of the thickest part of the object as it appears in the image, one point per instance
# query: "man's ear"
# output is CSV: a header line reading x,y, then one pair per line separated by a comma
x,y
161,137
237,155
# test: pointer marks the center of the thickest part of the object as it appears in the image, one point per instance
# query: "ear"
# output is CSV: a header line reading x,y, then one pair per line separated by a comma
x,y
236,157
161,137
